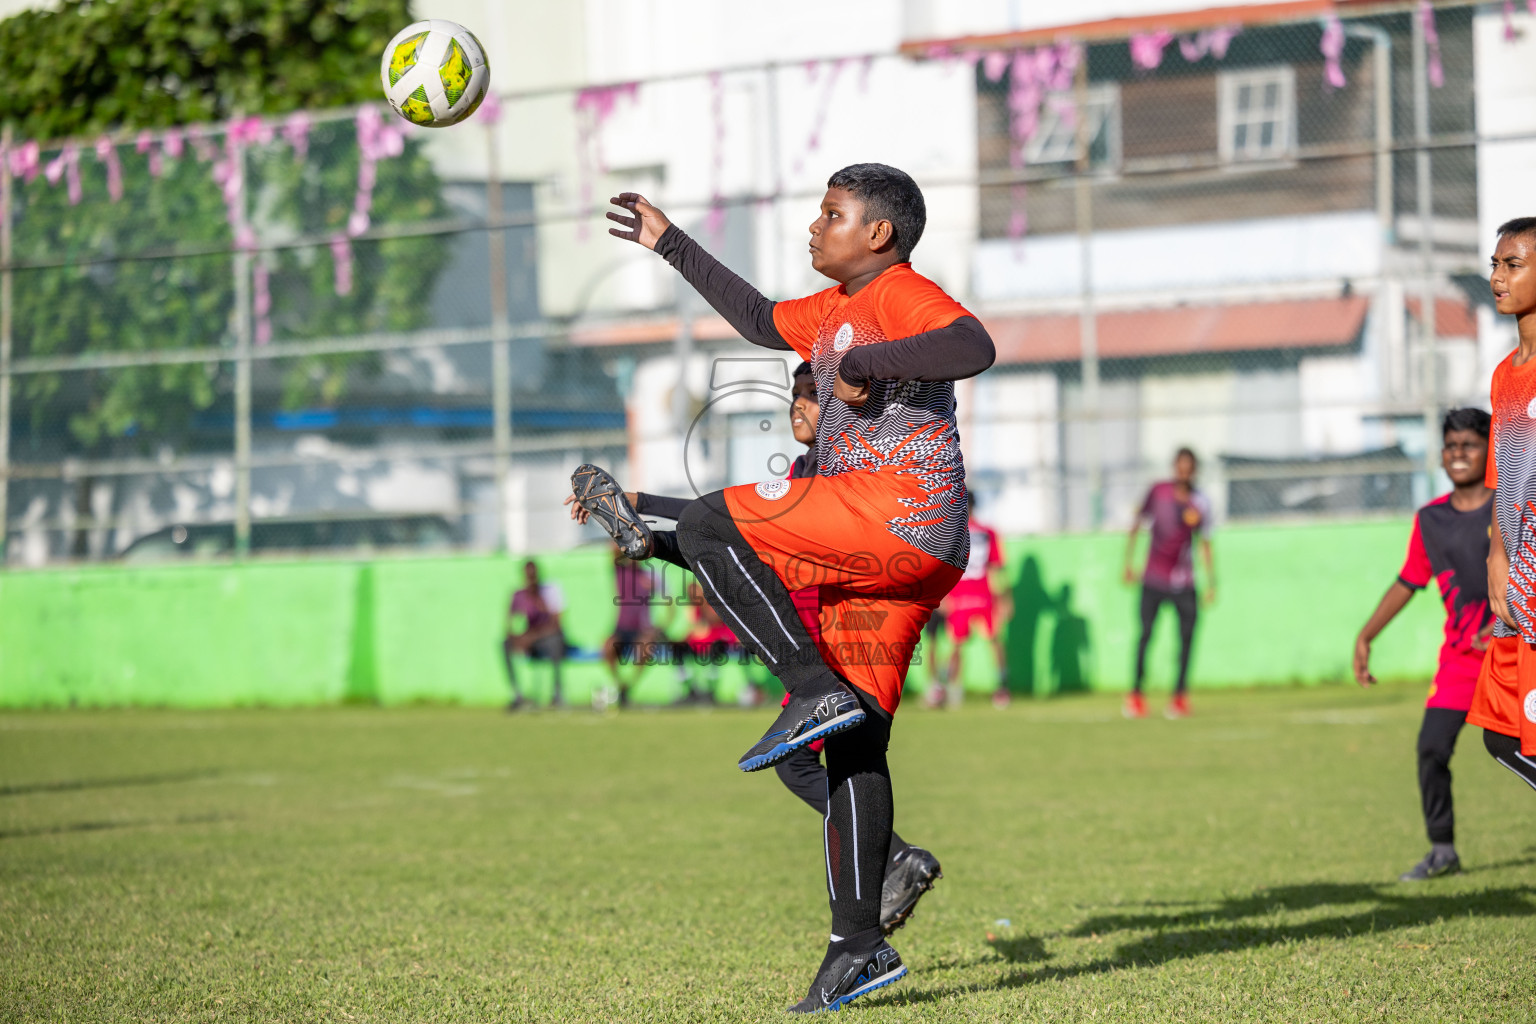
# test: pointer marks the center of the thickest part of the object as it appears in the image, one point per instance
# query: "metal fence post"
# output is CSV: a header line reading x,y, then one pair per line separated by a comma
x,y
242,404
501,336
5,340
1427,256
1088,321
242,271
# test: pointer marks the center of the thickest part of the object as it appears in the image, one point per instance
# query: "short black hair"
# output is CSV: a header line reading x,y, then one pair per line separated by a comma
x,y
1518,226
1471,419
803,369
1186,453
888,194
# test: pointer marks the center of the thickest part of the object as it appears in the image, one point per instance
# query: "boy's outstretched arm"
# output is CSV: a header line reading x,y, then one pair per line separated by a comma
x,y
1397,596
744,307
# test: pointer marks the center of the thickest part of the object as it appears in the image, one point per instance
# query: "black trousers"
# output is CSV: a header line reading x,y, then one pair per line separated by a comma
x,y
1185,603
1437,741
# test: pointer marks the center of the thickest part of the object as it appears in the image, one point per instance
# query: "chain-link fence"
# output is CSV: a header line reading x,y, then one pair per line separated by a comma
x,y
323,333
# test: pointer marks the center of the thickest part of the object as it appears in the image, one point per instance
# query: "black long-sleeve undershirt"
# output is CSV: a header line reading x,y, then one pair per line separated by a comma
x,y
959,350
660,505
744,307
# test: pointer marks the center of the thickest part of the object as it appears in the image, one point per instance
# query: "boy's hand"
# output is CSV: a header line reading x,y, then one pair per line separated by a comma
x,y
1210,595
581,515
1363,661
1483,639
578,513
1129,576
850,395
647,224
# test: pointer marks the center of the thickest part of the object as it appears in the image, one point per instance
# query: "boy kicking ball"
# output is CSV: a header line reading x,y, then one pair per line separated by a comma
x,y
1505,701
1449,545
881,529
910,870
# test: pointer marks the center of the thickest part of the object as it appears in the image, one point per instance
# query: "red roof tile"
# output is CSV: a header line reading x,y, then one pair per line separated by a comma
x,y
1453,317
1182,330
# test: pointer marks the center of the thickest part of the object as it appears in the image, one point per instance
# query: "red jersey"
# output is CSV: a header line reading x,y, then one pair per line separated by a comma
x,y
1451,547
1173,523
907,426
986,555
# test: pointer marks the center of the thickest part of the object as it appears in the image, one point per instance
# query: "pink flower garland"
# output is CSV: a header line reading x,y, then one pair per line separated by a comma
x,y
593,109
823,105
1032,74
296,134
1213,41
25,161
106,152
1332,46
1147,48
261,301
715,222
66,165
1432,43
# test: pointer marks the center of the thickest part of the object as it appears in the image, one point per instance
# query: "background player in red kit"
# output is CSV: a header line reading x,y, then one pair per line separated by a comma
x,y
1449,544
981,601
881,529
1505,701
1175,514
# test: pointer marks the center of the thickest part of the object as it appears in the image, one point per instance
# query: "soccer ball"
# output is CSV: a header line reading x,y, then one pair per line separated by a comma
x,y
434,73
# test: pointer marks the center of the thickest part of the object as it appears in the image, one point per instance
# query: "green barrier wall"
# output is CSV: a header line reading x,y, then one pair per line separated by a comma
x,y
394,631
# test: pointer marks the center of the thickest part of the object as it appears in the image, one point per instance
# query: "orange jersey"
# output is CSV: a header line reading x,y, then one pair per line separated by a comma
x,y
907,426
1512,472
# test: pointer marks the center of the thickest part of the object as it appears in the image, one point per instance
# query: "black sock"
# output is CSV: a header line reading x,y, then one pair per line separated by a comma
x,y
664,546
859,944
749,596
857,825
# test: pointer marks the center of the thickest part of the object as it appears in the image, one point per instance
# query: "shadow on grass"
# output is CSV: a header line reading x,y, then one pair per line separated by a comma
x,y
1224,926
1019,949
65,785
105,826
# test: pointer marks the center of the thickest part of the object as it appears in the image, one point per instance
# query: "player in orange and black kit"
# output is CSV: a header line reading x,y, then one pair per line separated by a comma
x,y
1505,701
881,530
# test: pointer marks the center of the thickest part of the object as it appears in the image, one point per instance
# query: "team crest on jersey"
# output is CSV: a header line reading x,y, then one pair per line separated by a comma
x,y
1530,410
772,490
844,338
1530,706
1191,517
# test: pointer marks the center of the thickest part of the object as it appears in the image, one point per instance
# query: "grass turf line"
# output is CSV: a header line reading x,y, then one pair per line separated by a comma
x,y
462,865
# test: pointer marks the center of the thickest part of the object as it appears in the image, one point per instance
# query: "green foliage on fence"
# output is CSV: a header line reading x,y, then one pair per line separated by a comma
x,y
89,65
135,64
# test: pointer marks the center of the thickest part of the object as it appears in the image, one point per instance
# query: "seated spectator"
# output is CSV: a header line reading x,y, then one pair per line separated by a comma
x,y
541,639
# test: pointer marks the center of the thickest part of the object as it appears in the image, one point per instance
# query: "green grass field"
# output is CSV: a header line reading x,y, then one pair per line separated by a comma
x,y
442,864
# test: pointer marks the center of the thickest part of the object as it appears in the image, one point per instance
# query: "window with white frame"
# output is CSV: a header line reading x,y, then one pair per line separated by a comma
x,y
1258,114
1055,139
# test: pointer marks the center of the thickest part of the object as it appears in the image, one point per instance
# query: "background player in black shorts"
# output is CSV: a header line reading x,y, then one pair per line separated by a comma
x,y
1449,544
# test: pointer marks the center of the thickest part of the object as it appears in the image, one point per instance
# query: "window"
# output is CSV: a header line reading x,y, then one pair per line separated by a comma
x,y
1055,140
1258,114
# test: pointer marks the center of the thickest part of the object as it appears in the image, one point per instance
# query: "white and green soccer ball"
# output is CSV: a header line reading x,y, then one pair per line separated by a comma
x,y
434,73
